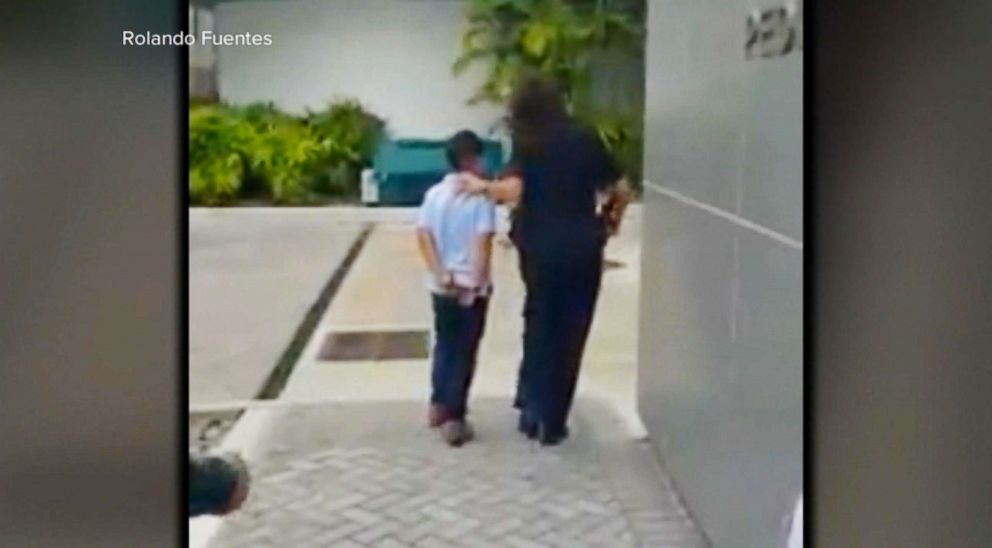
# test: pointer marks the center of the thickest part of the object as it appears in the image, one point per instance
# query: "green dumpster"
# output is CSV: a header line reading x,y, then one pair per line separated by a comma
x,y
405,168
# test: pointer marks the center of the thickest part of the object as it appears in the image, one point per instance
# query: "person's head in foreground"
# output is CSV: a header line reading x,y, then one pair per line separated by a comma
x,y
464,152
218,484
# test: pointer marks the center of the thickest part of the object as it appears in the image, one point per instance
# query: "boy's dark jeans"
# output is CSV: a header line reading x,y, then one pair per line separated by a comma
x,y
457,331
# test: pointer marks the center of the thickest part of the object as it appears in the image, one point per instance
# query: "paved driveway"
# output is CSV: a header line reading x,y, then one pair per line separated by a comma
x,y
253,274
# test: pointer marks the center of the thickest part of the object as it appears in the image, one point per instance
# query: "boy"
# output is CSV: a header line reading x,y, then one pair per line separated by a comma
x,y
454,234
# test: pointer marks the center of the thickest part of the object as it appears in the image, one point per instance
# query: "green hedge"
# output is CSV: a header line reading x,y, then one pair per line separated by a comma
x,y
257,151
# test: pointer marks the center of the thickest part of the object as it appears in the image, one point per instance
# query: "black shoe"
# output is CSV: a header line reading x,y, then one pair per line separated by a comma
x,y
550,437
526,426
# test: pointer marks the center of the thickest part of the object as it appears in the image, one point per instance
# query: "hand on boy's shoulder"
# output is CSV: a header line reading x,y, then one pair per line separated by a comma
x,y
470,182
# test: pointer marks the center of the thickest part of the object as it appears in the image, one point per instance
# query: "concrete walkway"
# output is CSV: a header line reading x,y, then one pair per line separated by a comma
x,y
344,459
384,290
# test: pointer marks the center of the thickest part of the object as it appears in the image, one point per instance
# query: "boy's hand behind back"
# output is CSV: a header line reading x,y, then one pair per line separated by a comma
x,y
445,280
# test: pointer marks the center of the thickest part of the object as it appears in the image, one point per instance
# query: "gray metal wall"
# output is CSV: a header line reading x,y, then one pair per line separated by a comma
x,y
720,378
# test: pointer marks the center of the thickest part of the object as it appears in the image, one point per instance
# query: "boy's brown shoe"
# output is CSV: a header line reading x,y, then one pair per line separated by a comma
x,y
436,415
457,432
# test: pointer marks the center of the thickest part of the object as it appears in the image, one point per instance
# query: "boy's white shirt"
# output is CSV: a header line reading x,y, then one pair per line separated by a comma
x,y
455,220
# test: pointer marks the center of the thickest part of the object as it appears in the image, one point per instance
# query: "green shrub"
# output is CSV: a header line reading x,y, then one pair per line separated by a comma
x,y
349,134
338,181
622,135
216,141
263,116
258,150
354,131
512,38
284,157
216,182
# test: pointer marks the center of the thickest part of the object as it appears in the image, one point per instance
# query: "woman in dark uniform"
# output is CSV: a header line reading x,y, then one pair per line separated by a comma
x,y
562,169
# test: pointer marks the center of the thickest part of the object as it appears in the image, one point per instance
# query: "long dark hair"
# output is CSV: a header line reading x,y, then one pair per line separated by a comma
x,y
537,109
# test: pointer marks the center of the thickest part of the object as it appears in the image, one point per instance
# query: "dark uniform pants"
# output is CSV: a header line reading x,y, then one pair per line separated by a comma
x,y
518,400
561,302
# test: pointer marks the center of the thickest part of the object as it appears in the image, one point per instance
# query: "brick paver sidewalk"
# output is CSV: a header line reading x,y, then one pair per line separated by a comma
x,y
371,474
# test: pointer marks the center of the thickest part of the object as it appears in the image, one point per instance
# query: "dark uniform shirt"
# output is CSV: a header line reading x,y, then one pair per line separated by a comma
x,y
558,208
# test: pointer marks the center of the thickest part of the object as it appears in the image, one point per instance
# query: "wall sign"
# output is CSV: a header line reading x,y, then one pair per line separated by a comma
x,y
774,32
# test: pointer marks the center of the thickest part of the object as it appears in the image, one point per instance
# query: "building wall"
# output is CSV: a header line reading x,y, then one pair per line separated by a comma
x,y
201,19
202,76
721,351
393,55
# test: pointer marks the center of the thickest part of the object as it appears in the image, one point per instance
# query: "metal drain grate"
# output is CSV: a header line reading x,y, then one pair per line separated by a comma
x,y
375,345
